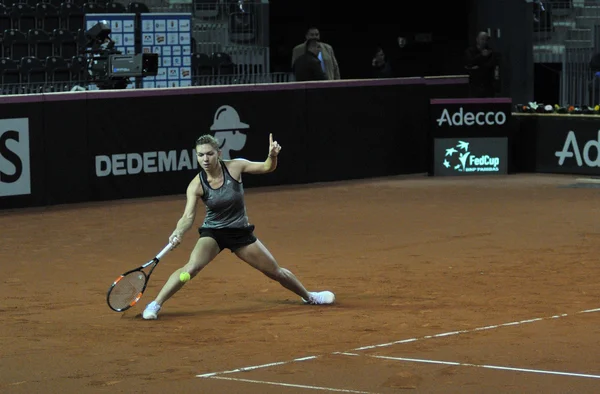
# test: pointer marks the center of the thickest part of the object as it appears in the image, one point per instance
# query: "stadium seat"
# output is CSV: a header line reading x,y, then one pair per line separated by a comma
x,y
77,69
222,63
23,17
14,44
65,43
94,8
33,74
116,8
57,72
202,65
137,8
5,21
40,43
9,76
47,17
71,17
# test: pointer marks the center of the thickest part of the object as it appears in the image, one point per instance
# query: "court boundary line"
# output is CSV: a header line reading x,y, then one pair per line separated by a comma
x,y
409,340
486,366
302,386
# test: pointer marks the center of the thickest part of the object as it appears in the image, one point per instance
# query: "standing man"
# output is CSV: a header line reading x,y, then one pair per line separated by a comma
x,y
307,67
326,56
483,67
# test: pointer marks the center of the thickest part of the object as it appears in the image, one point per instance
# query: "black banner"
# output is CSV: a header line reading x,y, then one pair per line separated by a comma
x,y
372,131
66,150
107,145
470,156
154,154
568,145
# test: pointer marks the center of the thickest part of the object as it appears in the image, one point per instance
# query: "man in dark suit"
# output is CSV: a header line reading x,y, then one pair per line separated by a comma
x,y
482,64
326,56
307,67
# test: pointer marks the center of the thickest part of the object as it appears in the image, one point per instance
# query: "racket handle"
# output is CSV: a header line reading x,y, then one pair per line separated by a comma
x,y
164,251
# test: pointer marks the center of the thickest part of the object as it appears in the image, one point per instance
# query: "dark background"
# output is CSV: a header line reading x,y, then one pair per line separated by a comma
x,y
355,30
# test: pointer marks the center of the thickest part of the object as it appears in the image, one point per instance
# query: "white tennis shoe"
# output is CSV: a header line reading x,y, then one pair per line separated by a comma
x,y
320,298
151,311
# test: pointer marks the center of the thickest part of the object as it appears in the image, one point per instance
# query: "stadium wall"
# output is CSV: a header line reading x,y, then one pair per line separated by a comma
x,y
74,147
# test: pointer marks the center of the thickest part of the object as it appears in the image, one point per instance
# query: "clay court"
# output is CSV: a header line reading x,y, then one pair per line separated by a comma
x,y
443,285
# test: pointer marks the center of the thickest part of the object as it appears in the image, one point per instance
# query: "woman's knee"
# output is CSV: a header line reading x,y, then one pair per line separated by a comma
x,y
193,267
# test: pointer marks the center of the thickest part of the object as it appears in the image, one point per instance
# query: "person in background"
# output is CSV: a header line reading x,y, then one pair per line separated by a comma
x,y
482,65
326,55
307,67
381,68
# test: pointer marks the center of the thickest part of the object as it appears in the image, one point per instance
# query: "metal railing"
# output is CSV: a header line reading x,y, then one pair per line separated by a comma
x,y
232,34
226,22
567,34
28,88
241,79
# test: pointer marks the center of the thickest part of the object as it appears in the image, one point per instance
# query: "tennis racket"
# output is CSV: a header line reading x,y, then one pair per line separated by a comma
x,y
128,288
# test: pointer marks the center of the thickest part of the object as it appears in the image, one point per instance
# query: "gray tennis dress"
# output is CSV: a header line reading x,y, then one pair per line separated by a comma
x,y
225,207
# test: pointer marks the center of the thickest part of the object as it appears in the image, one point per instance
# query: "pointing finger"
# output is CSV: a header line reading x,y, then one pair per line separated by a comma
x,y
271,138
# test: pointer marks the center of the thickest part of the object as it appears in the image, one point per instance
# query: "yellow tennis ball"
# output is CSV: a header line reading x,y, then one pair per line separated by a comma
x,y
184,277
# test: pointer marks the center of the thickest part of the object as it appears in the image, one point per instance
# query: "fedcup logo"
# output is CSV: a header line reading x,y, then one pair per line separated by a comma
x,y
462,118
460,159
227,126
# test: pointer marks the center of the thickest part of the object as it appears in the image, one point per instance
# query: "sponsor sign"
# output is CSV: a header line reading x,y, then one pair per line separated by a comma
x,y
470,156
570,146
15,169
471,117
170,36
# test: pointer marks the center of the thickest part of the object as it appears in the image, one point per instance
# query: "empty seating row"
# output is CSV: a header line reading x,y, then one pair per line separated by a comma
x,y
220,63
57,3
16,44
214,9
31,74
47,16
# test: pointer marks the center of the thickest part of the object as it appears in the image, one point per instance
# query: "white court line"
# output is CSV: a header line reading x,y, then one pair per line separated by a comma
x,y
293,385
444,334
416,360
246,369
451,333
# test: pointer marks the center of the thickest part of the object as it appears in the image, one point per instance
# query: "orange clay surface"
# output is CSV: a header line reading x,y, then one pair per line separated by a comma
x,y
408,258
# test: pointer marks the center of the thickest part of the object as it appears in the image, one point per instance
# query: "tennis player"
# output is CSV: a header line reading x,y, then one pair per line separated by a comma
x,y
226,226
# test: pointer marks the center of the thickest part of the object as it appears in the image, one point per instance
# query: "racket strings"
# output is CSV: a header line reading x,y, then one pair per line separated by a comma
x,y
127,290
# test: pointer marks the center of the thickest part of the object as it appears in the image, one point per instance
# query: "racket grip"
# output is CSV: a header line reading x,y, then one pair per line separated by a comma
x,y
165,250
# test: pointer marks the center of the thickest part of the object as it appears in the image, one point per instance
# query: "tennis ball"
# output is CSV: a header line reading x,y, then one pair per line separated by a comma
x,y
184,277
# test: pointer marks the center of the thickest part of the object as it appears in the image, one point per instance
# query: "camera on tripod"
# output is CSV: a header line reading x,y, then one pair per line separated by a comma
x,y
107,67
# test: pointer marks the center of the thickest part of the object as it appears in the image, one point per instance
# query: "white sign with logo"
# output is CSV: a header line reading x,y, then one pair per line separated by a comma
x,y
15,169
461,118
470,156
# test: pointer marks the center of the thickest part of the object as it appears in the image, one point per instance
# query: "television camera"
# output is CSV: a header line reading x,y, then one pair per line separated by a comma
x,y
107,67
